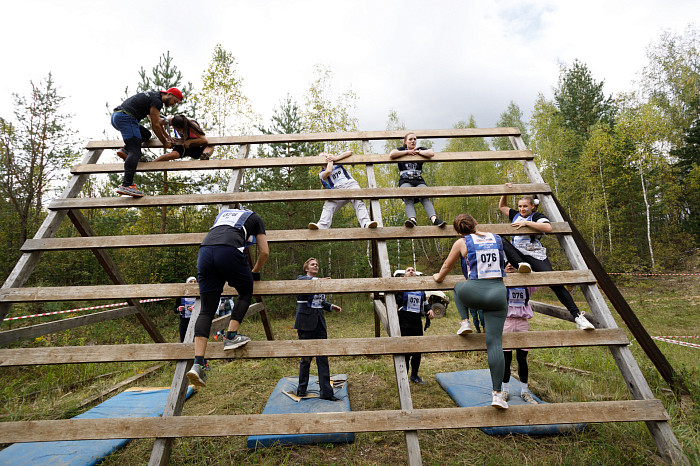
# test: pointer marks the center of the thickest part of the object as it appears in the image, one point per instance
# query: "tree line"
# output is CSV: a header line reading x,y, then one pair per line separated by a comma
x,y
626,166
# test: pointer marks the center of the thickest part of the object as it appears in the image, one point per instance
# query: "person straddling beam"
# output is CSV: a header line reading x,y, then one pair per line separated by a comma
x,y
222,258
126,118
335,176
527,253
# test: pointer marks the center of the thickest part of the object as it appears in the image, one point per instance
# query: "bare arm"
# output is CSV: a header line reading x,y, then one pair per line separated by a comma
x,y
451,260
198,141
502,204
342,156
427,153
263,252
154,116
544,227
329,168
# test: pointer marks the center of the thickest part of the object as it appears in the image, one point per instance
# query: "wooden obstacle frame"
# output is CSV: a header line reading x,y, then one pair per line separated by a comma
x,y
644,407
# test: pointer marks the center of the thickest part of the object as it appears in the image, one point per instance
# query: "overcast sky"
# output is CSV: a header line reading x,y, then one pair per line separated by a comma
x,y
434,62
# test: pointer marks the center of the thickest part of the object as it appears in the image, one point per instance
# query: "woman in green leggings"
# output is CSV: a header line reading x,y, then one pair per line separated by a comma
x,y
483,263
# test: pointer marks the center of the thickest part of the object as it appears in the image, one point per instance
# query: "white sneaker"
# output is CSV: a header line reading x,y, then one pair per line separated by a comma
x,y
505,395
582,323
498,401
313,226
524,267
465,327
528,398
372,224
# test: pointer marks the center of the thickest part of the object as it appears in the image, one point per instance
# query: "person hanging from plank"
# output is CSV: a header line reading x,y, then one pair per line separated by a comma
x,y
527,253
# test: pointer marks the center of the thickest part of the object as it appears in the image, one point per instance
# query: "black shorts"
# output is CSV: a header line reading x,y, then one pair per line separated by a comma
x,y
193,151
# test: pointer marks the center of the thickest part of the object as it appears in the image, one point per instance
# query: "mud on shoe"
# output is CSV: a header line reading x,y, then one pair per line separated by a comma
x,y
524,267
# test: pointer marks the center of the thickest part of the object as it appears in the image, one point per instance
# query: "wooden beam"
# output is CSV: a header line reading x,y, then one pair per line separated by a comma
x,y
293,196
28,261
298,348
281,287
35,331
353,421
110,267
339,136
559,312
270,162
273,236
673,378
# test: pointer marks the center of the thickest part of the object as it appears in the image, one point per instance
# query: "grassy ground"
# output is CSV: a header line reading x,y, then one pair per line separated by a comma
x,y
665,306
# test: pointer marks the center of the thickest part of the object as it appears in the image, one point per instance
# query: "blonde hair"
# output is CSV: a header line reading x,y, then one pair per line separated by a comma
x,y
406,137
306,264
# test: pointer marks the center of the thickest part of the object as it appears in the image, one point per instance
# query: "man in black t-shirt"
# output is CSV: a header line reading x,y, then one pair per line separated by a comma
x,y
126,118
222,258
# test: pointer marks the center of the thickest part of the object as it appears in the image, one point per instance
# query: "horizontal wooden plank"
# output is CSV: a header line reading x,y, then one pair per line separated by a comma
x,y
34,331
273,236
560,312
280,287
340,136
354,421
268,162
298,348
295,196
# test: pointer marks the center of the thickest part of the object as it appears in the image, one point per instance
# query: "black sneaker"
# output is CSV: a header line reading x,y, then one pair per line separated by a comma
x,y
410,223
439,223
417,380
330,398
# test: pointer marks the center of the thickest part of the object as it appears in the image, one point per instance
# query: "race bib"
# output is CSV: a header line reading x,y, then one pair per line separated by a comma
x,y
517,297
487,263
413,302
232,217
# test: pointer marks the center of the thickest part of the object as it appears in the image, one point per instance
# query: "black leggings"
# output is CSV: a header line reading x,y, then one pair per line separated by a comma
x,y
515,257
521,357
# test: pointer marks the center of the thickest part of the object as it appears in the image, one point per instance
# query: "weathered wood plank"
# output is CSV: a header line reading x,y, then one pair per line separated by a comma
x,y
298,348
293,196
340,136
27,262
273,236
34,331
268,162
281,287
357,421
560,312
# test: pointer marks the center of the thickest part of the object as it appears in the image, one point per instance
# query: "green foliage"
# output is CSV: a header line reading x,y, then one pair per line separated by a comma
x,y
35,151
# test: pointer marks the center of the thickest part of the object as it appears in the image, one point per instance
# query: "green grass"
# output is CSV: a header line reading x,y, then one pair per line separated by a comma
x,y
664,306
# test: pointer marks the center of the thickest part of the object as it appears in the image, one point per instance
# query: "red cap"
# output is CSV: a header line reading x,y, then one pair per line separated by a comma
x,y
174,91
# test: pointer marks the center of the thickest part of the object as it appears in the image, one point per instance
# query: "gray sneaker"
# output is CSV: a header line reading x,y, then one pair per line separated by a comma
x,y
528,398
238,341
197,376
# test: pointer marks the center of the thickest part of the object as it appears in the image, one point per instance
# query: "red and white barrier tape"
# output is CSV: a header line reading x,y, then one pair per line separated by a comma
x,y
83,309
654,274
676,342
679,336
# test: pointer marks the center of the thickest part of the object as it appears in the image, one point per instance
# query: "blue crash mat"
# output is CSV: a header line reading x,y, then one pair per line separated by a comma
x,y
473,388
134,402
279,403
